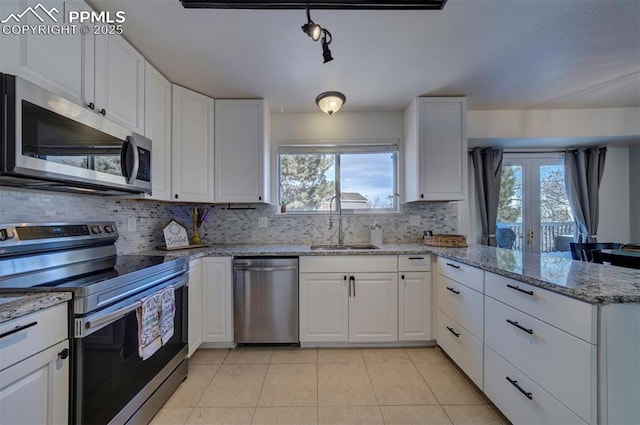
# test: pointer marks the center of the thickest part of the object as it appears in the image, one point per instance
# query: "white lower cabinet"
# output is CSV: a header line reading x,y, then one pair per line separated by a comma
x,y
414,298
463,348
217,300
324,307
36,390
34,368
373,307
520,399
195,305
350,305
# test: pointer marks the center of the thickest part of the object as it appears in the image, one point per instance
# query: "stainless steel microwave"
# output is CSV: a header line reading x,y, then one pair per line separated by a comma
x,y
50,143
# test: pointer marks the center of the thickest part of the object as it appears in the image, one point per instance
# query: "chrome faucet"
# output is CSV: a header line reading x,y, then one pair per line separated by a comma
x,y
339,208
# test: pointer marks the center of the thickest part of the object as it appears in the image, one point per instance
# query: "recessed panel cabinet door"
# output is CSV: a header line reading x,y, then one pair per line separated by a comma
x,y
324,307
373,307
192,146
195,305
36,390
157,127
119,82
56,62
414,304
241,152
217,300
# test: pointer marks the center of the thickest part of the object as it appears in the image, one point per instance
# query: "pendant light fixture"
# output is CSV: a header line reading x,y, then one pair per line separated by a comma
x,y
330,102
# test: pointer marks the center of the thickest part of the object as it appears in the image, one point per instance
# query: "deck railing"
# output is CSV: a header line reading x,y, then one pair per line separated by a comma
x,y
550,232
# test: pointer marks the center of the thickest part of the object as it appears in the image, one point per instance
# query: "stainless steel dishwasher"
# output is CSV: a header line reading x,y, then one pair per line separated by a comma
x,y
265,300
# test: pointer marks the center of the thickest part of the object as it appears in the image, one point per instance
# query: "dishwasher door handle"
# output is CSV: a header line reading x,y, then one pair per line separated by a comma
x,y
265,269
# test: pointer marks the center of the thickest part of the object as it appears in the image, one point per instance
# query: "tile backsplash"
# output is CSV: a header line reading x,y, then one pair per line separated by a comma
x,y
237,225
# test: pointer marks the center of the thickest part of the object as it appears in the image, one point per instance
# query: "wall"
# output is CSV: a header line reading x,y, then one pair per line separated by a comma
x,y
614,223
17,206
634,194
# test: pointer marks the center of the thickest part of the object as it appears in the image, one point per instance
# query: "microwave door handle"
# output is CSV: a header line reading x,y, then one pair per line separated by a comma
x,y
130,160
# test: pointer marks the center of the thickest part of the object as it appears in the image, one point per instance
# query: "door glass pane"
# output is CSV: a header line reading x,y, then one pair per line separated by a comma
x,y
556,222
510,209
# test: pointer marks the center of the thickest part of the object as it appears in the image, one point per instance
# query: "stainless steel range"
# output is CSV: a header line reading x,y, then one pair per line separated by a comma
x,y
110,382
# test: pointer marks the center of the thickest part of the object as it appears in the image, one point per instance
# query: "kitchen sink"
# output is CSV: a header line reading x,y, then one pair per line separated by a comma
x,y
342,247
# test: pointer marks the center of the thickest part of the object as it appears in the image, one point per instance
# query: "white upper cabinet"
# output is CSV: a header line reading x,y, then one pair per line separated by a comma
x,y
241,166
56,62
119,82
192,146
157,127
435,154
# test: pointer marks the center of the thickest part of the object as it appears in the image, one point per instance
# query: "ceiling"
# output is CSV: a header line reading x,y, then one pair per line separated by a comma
x,y
501,54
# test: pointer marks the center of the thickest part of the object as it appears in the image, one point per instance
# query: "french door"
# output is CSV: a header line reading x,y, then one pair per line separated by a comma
x,y
533,211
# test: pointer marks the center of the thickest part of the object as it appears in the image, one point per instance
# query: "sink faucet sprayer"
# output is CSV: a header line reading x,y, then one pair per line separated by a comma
x,y
339,208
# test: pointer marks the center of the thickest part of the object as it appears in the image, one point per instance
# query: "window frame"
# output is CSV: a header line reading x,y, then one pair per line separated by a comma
x,y
337,149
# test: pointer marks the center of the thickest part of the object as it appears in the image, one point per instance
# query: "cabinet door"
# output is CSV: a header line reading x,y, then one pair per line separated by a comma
x,y
414,306
36,390
373,307
192,146
436,149
55,62
324,307
119,82
195,305
157,127
217,300
241,155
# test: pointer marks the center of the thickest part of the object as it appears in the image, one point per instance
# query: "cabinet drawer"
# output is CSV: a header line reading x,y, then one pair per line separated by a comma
x,y
538,353
573,316
461,346
42,329
414,263
349,264
462,273
462,304
541,409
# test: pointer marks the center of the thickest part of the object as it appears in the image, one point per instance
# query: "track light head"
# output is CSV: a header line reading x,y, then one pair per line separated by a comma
x,y
326,53
312,29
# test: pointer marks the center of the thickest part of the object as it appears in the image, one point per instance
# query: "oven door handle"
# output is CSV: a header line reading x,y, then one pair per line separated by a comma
x,y
87,325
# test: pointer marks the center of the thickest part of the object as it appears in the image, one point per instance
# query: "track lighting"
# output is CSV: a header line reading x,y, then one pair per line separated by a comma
x,y
315,31
312,29
326,53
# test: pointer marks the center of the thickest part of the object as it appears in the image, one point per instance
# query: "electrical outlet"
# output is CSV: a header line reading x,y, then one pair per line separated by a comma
x,y
132,224
263,222
414,220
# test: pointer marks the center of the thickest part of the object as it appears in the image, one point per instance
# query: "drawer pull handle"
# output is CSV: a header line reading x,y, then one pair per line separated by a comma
x,y
519,326
453,265
64,353
456,334
453,290
18,329
416,258
517,288
515,384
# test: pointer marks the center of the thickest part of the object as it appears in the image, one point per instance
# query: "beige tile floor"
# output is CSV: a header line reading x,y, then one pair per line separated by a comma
x,y
299,386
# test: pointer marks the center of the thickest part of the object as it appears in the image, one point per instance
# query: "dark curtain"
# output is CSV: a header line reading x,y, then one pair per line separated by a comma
x,y
583,170
487,164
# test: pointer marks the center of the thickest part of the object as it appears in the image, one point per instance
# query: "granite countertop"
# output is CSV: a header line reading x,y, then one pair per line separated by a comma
x,y
588,282
17,304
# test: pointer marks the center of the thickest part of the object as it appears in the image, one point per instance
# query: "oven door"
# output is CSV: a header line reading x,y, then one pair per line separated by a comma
x,y
51,138
111,380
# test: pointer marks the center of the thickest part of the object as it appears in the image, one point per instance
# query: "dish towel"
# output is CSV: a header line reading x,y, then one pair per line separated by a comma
x,y
148,313
167,314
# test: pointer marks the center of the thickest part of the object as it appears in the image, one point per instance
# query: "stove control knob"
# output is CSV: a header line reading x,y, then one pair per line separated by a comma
x,y
3,235
109,228
96,229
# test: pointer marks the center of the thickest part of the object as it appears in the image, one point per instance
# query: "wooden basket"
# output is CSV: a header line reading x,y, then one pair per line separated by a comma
x,y
446,241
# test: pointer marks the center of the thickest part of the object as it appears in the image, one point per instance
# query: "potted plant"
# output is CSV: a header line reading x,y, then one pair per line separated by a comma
x,y
283,207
